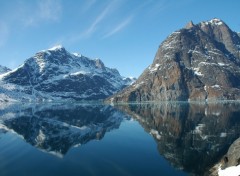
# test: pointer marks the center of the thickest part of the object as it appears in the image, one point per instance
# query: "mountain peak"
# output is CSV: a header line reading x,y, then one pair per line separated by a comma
x,y
189,25
54,48
57,47
99,63
214,21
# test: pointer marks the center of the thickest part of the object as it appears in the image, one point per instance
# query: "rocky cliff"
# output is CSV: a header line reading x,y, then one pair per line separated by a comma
x,y
198,62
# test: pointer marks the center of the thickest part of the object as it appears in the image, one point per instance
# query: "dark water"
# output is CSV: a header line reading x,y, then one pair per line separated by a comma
x,y
131,139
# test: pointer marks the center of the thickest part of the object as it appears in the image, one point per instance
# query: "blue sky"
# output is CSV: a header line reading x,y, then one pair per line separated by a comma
x,y
124,34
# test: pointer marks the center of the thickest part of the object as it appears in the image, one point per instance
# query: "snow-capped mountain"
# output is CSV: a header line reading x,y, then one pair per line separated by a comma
x,y
4,69
56,74
198,62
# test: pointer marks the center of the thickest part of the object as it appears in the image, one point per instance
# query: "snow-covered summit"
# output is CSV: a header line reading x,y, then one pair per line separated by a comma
x,y
57,73
54,48
212,22
57,47
215,21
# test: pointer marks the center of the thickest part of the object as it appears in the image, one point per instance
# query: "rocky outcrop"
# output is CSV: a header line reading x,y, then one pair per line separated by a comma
x,y
233,155
189,25
56,74
199,62
229,162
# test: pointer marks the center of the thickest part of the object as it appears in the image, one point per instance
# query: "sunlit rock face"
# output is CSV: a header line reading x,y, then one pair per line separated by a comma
x,y
233,155
193,137
198,62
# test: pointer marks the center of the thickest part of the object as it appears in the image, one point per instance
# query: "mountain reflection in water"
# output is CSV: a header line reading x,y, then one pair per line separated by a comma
x,y
192,136
186,138
55,128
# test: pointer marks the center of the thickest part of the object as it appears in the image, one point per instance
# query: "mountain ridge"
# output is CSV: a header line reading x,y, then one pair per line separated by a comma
x,y
56,74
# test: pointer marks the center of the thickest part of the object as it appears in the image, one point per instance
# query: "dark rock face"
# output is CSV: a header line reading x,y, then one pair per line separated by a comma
x,y
4,69
57,74
199,62
191,136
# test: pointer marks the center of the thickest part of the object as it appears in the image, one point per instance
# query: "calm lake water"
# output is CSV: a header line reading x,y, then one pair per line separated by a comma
x,y
130,139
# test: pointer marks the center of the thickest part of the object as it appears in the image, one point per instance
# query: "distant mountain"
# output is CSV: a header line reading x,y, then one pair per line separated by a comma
x,y
198,62
56,74
129,80
4,69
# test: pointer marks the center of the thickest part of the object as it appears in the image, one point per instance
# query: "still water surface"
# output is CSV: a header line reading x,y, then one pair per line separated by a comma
x,y
130,139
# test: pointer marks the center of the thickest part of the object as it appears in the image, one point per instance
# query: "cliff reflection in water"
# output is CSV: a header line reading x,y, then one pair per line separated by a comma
x,y
193,136
55,128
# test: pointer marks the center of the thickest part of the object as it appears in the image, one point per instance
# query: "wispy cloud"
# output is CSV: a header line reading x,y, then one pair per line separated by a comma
x,y
93,26
100,18
119,27
50,9
158,6
55,43
104,24
45,10
87,5
4,33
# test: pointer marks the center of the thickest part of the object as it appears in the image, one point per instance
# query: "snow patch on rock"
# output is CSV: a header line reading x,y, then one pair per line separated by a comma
x,y
230,171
